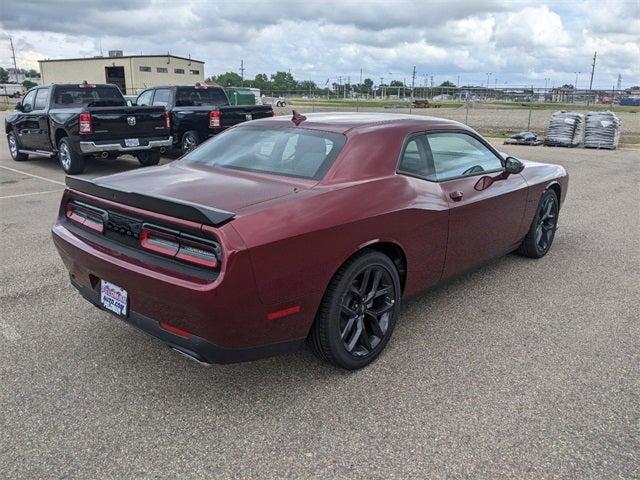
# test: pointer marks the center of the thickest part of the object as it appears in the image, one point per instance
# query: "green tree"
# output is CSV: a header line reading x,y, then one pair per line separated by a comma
x,y
33,73
396,83
284,81
367,84
261,81
447,83
228,79
4,75
28,84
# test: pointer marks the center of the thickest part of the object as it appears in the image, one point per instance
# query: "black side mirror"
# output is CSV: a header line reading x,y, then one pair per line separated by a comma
x,y
512,165
19,107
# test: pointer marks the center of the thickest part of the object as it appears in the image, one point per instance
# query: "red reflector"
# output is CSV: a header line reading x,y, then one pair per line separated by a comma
x,y
283,313
174,330
214,119
85,125
167,119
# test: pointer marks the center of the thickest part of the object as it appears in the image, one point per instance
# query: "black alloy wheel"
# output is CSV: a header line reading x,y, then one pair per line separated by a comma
x,y
540,237
358,311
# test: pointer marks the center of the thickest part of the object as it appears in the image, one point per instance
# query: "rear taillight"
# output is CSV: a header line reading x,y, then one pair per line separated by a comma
x,y
90,217
214,119
84,123
180,246
167,119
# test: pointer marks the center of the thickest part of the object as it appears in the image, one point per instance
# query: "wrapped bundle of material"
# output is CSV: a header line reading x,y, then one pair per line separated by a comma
x,y
602,130
565,129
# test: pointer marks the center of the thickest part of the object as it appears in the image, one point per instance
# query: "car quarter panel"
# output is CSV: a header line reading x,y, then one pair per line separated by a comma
x,y
298,245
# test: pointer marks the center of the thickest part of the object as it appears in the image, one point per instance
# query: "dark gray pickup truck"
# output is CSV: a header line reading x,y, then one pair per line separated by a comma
x,y
75,122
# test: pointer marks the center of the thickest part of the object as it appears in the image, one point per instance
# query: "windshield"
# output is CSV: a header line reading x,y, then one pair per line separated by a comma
x,y
198,97
69,96
293,152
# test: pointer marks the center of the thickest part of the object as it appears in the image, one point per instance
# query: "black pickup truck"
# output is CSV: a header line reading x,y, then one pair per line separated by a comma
x,y
76,121
199,111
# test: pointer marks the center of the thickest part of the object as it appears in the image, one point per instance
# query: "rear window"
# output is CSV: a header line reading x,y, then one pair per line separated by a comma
x,y
198,97
292,152
69,96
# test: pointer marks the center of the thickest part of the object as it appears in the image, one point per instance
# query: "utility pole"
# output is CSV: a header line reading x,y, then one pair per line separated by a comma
x,y
413,82
593,69
13,54
242,71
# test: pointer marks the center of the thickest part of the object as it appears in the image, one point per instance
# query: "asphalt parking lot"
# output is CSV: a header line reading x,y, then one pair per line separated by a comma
x,y
523,369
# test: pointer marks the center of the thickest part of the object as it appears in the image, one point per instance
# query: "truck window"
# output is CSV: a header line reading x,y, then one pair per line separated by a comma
x,y
144,100
162,97
41,99
70,96
200,96
27,101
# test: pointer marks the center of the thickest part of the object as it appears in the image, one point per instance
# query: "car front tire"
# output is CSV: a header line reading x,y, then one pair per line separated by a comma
x,y
358,312
71,161
539,238
14,148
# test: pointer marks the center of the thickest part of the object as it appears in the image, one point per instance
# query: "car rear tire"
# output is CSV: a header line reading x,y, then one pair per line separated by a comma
x,y
190,140
149,158
543,228
71,161
14,148
358,312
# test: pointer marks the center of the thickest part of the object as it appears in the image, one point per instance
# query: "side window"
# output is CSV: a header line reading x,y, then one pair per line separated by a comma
x,y
460,155
42,97
162,97
27,101
416,159
145,98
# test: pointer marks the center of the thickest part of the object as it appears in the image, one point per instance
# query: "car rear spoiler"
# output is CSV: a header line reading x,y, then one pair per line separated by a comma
x,y
153,203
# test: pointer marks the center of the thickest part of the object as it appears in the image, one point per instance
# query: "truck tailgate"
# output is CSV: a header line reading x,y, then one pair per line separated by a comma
x,y
127,122
234,115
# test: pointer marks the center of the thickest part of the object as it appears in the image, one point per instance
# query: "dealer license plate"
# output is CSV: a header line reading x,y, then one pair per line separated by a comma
x,y
132,142
113,298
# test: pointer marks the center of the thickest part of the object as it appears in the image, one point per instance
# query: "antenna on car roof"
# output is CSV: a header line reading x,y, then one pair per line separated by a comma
x,y
297,118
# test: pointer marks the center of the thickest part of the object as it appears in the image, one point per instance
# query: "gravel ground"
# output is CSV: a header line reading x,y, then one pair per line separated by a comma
x,y
523,369
494,121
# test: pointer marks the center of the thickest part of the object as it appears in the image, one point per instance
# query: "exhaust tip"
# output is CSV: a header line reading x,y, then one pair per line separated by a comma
x,y
163,149
104,154
190,356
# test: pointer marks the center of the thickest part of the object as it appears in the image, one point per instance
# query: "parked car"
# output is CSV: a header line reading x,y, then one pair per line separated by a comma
x,y
286,229
75,121
130,99
199,111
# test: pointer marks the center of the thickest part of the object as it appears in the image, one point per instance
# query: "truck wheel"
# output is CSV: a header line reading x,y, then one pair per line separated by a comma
x,y
190,140
148,158
14,148
72,162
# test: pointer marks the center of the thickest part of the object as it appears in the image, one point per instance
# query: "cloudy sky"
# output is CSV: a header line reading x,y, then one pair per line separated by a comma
x,y
518,42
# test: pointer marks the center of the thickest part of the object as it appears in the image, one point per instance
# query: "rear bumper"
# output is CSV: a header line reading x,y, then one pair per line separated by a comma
x,y
194,347
114,146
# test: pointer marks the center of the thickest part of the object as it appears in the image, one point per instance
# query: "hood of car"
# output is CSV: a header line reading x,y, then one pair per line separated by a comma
x,y
217,188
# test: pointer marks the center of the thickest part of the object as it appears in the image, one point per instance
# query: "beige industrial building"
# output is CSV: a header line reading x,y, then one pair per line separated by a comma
x,y
132,73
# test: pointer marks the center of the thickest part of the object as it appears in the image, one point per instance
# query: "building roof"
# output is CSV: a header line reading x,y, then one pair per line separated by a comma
x,y
123,56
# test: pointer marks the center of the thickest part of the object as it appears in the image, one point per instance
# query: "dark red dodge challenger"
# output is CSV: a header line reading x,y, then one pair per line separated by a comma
x,y
310,228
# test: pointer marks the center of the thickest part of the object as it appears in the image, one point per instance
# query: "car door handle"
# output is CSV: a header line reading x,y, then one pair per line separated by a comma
x,y
456,195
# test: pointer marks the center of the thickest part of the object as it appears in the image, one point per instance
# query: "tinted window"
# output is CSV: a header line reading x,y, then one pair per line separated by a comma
x,y
196,97
41,99
27,101
145,69
162,97
459,154
416,159
67,96
161,70
145,98
281,151
178,70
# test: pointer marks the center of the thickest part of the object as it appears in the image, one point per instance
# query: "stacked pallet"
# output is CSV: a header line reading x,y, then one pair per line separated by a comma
x,y
565,129
602,130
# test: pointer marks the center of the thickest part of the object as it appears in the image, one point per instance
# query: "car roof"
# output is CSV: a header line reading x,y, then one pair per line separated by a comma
x,y
344,122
